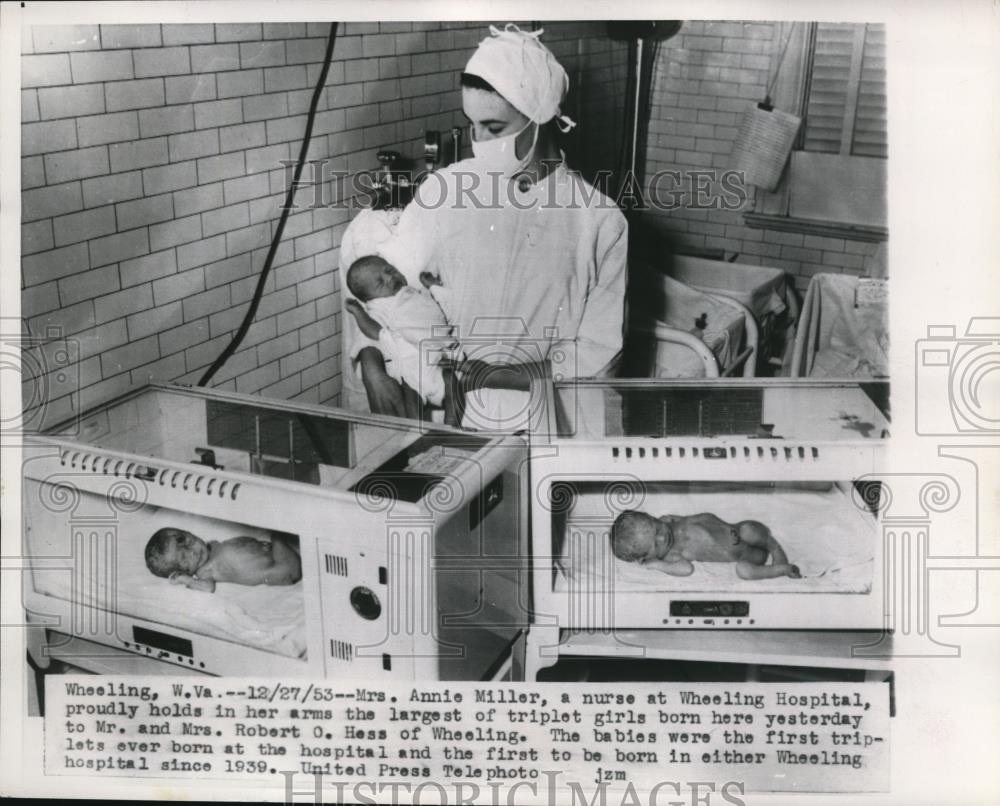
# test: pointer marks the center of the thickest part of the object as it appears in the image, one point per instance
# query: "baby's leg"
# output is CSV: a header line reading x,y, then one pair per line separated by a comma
x,y
287,565
748,570
754,533
752,566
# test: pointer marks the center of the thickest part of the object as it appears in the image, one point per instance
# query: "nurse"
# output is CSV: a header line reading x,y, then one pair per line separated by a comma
x,y
534,257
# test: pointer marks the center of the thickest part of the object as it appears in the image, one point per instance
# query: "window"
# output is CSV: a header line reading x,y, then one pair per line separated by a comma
x,y
834,77
845,91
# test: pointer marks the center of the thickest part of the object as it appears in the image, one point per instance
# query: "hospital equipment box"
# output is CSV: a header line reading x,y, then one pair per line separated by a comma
x,y
411,537
799,457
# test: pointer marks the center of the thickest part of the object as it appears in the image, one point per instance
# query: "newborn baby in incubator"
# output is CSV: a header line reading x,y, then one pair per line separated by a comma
x,y
186,559
671,542
401,317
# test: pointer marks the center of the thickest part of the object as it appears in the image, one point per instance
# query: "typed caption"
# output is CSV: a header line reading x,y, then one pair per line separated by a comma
x,y
818,737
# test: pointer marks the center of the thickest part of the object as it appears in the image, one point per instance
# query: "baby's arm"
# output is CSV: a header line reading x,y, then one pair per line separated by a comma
x,y
196,583
675,566
287,567
366,324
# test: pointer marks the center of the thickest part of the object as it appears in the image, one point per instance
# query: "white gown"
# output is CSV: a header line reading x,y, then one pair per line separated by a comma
x,y
533,275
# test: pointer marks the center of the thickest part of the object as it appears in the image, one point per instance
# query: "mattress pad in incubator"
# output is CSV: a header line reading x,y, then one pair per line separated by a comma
x,y
381,511
260,616
822,531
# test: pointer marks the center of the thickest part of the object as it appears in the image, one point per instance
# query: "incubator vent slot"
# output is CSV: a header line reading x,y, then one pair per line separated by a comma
x,y
186,480
790,453
335,565
341,650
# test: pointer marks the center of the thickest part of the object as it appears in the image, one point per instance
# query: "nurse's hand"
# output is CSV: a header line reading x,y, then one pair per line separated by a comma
x,y
385,396
454,398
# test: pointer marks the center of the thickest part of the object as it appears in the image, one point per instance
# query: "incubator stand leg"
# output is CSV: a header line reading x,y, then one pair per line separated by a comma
x,y
39,662
36,640
518,653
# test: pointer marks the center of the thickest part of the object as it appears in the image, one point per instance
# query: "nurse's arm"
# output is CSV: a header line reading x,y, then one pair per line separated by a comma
x,y
385,396
599,338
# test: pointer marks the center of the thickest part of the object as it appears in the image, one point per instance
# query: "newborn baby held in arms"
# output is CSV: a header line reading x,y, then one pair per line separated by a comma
x,y
670,543
188,560
402,318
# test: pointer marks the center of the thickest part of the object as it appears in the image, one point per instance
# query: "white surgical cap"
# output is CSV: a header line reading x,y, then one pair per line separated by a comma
x,y
524,72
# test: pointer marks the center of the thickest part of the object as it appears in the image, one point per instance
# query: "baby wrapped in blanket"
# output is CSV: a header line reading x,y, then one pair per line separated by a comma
x,y
402,318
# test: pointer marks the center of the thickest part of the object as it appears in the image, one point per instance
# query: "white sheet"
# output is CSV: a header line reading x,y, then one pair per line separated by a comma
x,y
680,305
831,542
268,618
840,336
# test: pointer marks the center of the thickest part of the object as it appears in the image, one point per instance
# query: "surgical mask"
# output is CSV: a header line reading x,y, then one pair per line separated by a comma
x,y
499,154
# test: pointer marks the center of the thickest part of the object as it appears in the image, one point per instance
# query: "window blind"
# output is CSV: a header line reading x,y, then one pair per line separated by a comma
x,y
846,102
870,123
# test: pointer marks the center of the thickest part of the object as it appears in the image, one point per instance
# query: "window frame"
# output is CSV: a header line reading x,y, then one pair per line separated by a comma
x,y
773,210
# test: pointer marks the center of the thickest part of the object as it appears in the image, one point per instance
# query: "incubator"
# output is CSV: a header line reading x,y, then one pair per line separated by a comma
x,y
796,457
412,539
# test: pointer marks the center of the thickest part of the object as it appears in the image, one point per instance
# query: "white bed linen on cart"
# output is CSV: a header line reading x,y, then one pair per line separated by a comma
x,y
680,306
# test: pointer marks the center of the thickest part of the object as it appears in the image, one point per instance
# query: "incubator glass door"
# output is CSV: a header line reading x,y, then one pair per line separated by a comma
x,y
597,410
266,438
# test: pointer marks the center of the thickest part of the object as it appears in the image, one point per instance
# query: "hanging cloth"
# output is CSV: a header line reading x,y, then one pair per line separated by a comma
x,y
765,137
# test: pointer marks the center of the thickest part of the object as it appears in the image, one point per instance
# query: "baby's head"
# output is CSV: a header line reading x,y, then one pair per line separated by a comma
x,y
636,536
371,277
175,551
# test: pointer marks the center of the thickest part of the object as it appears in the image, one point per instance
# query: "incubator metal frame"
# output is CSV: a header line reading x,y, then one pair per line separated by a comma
x,y
437,554
604,617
